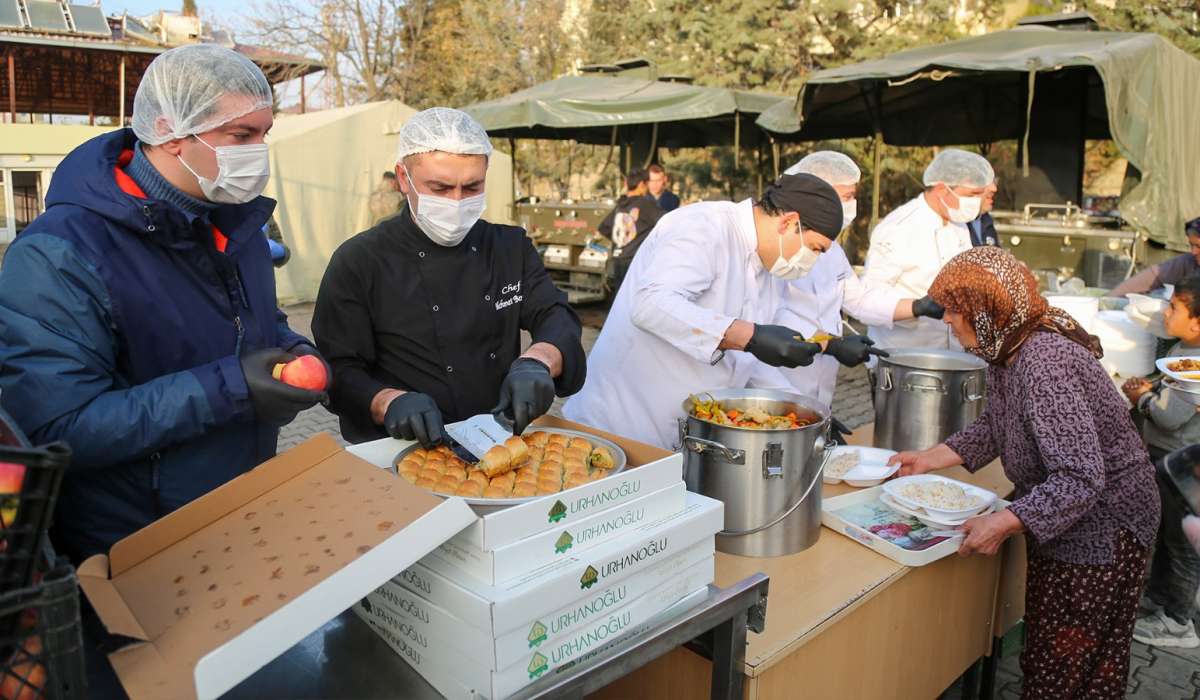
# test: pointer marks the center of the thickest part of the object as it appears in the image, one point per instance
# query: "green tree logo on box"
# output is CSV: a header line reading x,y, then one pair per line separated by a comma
x,y
537,634
589,577
538,665
558,511
563,543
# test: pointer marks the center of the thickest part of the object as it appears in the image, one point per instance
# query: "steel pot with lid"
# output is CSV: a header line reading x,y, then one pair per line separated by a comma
x,y
769,480
924,396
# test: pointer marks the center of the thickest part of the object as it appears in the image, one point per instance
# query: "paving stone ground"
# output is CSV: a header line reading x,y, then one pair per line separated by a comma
x,y
1155,674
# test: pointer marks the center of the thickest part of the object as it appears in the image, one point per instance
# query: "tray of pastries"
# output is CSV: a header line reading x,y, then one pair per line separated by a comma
x,y
538,463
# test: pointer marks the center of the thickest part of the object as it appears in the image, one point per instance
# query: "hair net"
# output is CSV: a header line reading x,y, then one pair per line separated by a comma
x,y
831,166
443,129
956,168
181,93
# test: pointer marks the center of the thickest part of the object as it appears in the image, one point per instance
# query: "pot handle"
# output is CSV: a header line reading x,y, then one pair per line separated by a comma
x,y
970,388
700,446
826,447
910,386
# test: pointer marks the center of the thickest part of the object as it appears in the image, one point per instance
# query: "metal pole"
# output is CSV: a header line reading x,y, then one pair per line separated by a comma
x,y
512,149
303,101
737,140
121,94
12,88
877,174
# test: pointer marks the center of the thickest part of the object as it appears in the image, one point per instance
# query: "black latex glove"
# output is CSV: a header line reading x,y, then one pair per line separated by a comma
x,y
777,346
838,431
275,403
852,350
414,416
308,349
526,393
927,307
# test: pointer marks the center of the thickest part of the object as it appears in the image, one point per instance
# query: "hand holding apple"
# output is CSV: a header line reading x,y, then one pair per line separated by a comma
x,y
305,372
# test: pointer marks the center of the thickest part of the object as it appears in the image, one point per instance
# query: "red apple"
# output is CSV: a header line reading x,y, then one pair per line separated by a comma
x,y
11,477
305,372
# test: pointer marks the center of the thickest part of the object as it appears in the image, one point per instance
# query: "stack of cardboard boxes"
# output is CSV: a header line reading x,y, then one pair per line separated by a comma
x,y
533,589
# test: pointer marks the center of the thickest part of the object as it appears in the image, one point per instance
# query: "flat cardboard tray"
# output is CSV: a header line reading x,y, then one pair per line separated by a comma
x,y
217,589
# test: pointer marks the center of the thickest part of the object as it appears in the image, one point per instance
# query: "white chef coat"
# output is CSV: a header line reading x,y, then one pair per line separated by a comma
x,y
908,250
697,272
815,303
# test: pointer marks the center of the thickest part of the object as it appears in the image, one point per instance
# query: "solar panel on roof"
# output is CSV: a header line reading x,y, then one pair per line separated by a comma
x,y
136,30
90,20
46,15
10,14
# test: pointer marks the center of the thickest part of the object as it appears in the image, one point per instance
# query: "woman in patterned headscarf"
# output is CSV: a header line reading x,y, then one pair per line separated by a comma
x,y
1084,488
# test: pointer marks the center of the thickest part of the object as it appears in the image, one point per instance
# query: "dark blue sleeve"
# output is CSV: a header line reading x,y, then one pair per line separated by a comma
x,y
287,338
58,366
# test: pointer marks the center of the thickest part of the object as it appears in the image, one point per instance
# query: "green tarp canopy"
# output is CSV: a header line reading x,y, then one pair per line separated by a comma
x,y
1140,91
597,109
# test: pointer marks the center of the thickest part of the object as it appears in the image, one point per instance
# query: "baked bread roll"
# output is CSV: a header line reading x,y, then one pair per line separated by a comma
x,y
478,477
538,438
496,461
431,474
471,489
458,473
574,480
426,483
507,480
447,484
518,451
557,439
524,489
497,491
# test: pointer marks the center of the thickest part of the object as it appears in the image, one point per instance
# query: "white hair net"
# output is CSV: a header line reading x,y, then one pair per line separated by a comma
x,y
443,129
196,88
832,167
958,168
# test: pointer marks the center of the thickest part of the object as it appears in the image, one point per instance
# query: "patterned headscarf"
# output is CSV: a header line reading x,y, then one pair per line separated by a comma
x,y
998,295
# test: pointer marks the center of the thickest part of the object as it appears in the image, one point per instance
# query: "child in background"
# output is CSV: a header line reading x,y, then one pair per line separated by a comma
x,y
1172,421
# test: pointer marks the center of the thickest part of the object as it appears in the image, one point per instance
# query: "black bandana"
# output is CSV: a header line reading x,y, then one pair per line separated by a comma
x,y
812,198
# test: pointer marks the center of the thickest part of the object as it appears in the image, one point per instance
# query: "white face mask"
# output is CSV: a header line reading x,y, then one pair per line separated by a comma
x,y
796,266
242,173
849,211
446,221
968,209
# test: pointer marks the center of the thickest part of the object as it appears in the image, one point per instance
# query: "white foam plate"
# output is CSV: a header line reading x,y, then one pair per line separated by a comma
x,y
867,475
987,498
934,522
1189,377
867,457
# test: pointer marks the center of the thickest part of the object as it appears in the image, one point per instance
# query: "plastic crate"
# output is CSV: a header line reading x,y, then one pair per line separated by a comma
x,y
42,654
25,514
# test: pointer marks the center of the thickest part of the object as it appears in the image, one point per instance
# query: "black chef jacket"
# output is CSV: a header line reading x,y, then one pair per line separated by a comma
x,y
396,310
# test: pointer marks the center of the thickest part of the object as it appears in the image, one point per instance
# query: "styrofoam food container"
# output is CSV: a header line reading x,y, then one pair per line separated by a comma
x,y
867,456
1146,305
865,475
929,520
987,498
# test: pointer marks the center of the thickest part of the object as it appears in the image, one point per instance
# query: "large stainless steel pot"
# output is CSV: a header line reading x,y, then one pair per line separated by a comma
x,y
769,480
924,396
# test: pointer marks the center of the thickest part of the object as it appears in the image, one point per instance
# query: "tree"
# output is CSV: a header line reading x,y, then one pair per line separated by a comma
x,y
189,9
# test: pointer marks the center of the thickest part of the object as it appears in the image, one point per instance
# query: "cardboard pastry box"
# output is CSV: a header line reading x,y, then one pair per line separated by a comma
x,y
220,587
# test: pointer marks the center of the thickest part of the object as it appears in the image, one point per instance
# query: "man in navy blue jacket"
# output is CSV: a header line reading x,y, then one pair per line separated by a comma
x,y
137,314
